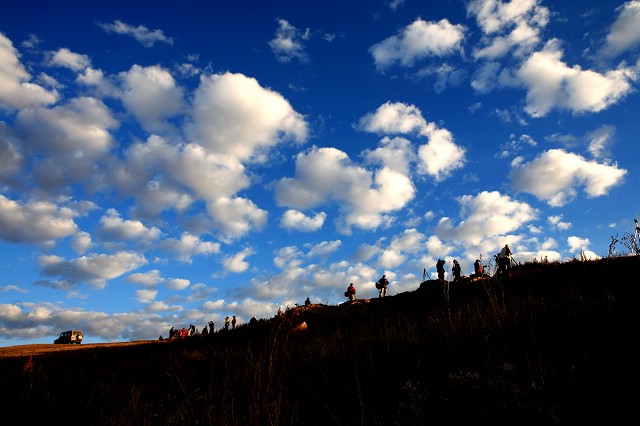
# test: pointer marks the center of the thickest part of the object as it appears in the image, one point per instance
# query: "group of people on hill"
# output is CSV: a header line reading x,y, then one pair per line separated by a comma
x,y
382,284
503,261
207,330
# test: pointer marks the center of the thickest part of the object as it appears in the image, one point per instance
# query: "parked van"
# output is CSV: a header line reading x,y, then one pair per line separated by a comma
x,y
71,336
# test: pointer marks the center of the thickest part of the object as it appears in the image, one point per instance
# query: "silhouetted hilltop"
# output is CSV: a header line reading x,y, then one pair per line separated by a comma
x,y
548,343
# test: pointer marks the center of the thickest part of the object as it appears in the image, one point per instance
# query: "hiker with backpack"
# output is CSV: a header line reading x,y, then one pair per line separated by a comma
x,y
381,285
504,259
351,292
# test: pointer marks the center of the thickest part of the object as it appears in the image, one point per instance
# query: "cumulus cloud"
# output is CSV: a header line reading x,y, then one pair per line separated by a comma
x,y
508,26
418,40
234,115
553,84
324,248
16,90
140,33
187,246
438,158
298,221
624,34
94,269
146,279
237,262
114,228
236,216
176,284
81,242
555,176
35,221
67,59
288,42
328,175
488,220
152,96
68,140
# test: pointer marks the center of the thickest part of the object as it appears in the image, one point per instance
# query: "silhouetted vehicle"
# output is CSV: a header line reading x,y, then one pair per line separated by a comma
x,y
71,336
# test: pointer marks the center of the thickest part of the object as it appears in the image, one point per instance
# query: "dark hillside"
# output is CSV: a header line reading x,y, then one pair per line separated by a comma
x,y
552,343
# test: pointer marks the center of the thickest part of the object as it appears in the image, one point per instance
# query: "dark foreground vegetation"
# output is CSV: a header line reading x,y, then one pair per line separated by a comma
x,y
551,343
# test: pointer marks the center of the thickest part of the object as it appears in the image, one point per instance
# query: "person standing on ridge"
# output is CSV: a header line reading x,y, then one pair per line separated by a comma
x,y
477,268
234,322
440,269
504,259
351,292
457,271
227,322
382,286
307,302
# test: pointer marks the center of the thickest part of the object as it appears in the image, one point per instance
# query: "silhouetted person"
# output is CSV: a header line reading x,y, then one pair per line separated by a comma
x,y
381,285
234,322
477,268
440,269
227,322
307,302
457,271
211,327
351,292
504,259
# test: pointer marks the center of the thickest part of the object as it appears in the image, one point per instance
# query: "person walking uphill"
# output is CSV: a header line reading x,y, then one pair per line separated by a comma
x,y
440,269
382,286
351,292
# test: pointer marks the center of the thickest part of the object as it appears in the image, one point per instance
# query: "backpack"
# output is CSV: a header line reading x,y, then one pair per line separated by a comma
x,y
379,285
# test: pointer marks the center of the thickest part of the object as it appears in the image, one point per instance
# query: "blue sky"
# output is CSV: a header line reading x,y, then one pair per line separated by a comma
x,y
173,164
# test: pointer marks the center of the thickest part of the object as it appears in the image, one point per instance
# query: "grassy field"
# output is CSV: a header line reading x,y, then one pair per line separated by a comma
x,y
549,343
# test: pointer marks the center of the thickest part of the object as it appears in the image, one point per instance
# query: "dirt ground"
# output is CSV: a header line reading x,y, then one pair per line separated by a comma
x,y
28,350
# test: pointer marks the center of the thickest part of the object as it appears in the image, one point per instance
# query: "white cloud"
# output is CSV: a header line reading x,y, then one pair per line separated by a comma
x,y
599,141
34,222
487,221
237,262
147,279
188,246
298,221
324,248
146,295
68,140
236,216
556,221
624,34
81,242
68,59
439,157
418,40
555,175
15,89
288,43
327,174
114,228
513,25
140,33
176,284
94,269
234,115
578,244
152,95
552,84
